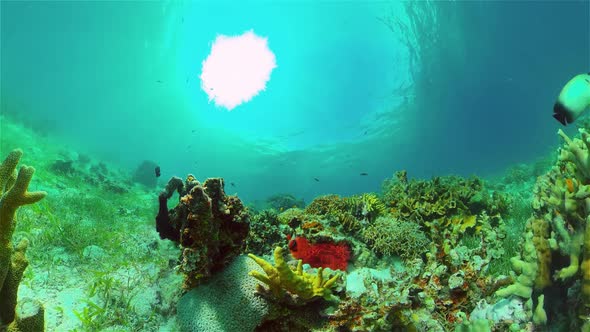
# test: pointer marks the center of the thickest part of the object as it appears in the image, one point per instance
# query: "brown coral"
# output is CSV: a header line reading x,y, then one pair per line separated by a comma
x,y
212,227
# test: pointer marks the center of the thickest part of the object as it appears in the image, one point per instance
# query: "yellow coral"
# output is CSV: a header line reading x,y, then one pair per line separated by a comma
x,y
526,268
14,193
280,278
372,206
586,267
541,234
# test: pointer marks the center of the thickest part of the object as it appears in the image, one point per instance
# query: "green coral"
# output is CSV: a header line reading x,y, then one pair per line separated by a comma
x,y
422,201
14,190
281,279
265,232
389,236
325,205
372,206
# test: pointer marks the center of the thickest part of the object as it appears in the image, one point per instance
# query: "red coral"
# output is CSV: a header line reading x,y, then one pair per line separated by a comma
x,y
332,255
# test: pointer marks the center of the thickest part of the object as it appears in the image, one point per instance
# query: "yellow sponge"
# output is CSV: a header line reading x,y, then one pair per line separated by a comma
x,y
14,193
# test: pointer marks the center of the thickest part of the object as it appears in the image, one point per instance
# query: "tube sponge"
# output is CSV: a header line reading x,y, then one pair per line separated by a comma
x,y
14,193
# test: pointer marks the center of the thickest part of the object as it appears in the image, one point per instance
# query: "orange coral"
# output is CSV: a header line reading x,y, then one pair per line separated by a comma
x,y
313,225
570,185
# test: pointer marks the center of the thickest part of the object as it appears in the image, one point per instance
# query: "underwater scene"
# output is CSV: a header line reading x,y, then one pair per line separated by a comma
x,y
294,165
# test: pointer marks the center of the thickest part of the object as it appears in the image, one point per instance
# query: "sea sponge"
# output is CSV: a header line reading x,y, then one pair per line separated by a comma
x,y
14,193
585,267
527,269
541,234
326,254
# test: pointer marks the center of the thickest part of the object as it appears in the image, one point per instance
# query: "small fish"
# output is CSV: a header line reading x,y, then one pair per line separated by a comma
x,y
194,131
232,184
157,171
316,179
364,174
159,81
366,131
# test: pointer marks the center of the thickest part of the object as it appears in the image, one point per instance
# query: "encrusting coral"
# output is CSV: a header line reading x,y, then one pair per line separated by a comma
x,y
14,190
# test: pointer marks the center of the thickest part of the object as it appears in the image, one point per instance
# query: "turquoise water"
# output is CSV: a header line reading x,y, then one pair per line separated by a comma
x,y
356,92
479,99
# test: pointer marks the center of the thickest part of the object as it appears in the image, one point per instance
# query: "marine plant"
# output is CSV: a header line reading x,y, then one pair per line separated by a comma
x,y
109,302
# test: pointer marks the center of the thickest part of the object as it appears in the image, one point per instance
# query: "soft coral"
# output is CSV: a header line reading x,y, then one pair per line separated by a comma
x,y
328,255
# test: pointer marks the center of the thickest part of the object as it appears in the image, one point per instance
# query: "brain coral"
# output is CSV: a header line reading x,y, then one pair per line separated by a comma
x,y
227,303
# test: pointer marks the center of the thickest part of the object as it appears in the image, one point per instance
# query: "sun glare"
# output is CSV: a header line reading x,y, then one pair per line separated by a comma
x,y
237,69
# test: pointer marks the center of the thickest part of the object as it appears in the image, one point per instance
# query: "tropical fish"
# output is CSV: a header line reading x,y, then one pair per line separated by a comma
x,y
573,99
157,171
316,179
364,174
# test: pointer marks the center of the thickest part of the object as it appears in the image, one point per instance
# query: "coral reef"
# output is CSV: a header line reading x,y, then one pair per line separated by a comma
x,y
96,173
553,268
210,226
266,232
145,174
423,201
282,202
14,190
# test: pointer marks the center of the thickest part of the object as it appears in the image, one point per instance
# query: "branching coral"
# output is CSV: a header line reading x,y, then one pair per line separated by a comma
x,y
557,245
372,206
14,189
393,237
282,280
266,232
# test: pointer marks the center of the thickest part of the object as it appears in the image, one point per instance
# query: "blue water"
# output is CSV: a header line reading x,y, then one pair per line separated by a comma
x,y
477,99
